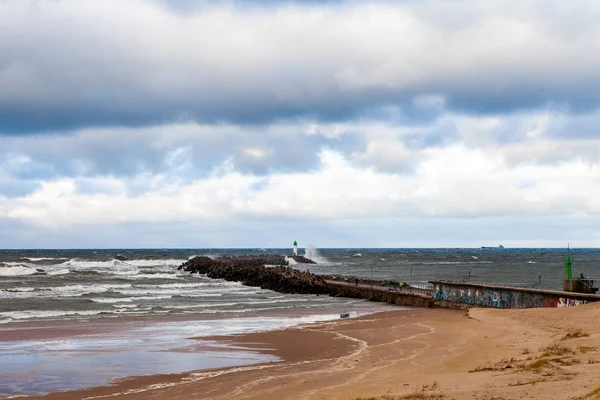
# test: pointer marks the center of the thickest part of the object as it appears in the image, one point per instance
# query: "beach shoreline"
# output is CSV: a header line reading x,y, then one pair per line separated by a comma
x,y
480,354
96,344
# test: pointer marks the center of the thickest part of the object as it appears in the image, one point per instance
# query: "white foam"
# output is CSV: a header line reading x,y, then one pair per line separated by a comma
x,y
155,276
29,314
237,303
63,291
63,271
17,270
200,289
192,285
312,254
171,292
290,260
128,306
20,289
114,267
78,290
156,263
153,297
34,259
112,300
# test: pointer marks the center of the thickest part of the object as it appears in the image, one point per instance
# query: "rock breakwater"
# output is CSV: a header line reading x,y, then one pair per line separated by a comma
x,y
251,271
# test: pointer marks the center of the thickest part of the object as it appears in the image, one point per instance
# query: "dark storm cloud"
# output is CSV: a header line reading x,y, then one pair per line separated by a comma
x,y
67,65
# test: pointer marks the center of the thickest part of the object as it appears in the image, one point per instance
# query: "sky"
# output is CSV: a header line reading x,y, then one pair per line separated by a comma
x,y
347,123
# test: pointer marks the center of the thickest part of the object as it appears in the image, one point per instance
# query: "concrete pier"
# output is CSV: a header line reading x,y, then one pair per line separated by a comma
x,y
408,296
467,295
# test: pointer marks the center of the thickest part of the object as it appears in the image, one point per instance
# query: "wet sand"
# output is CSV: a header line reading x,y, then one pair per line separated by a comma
x,y
431,353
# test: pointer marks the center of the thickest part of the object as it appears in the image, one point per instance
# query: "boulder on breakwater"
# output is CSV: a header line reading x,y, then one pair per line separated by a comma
x,y
302,260
251,271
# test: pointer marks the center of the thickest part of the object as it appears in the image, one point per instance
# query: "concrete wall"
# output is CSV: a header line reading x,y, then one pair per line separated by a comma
x,y
383,296
465,295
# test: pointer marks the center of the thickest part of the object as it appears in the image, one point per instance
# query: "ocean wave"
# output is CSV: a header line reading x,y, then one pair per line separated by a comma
x,y
128,269
80,290
236,303
156,263
204,305
20,289
197,289
30,314
36,259
156,276
223,284
110,300
77,290
113,266
153,298
135,291
17,270
63,271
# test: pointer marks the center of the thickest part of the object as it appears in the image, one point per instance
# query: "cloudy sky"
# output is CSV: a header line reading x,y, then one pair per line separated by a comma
x,y
176,123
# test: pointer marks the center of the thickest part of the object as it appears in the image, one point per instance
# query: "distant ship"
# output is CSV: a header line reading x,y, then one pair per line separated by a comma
x,y
489,247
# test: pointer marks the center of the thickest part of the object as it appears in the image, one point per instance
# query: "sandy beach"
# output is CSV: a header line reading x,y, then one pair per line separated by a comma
x,y
419,353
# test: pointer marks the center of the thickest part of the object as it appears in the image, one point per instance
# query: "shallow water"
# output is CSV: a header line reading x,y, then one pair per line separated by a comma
x,y
46,365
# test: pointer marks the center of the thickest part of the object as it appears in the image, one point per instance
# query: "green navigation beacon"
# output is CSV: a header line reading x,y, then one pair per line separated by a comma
x,y
569,265
295,248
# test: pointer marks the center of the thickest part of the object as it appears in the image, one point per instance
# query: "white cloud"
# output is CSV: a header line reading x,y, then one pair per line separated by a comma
x,y
449,183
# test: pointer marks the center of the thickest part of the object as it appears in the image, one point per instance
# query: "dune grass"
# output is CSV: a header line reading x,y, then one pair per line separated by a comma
x,y
555,350
593,394
577,333
538,364
585,349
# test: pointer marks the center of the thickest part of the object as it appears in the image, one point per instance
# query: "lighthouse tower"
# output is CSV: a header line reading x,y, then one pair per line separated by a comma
x,y
295,248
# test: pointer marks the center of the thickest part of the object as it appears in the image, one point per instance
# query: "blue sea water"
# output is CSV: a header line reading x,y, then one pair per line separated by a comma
x,y
50,284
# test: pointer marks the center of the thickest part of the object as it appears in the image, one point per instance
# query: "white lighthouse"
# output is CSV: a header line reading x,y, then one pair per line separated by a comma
x,y
295,249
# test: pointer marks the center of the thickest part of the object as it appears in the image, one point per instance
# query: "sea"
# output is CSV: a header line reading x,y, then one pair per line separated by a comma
x,y
98,285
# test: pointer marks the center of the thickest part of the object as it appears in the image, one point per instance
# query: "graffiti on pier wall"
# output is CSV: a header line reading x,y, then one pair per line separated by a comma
x,y
564,302
499,298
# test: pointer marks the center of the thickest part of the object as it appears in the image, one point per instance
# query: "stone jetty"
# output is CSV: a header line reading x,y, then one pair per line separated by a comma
x,y
252,271
270,272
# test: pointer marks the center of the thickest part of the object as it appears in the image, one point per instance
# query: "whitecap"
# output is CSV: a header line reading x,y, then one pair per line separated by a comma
x,y
29,314
110,300
156,263
34,259
20,289
128,306
17,270
155,276
63,271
